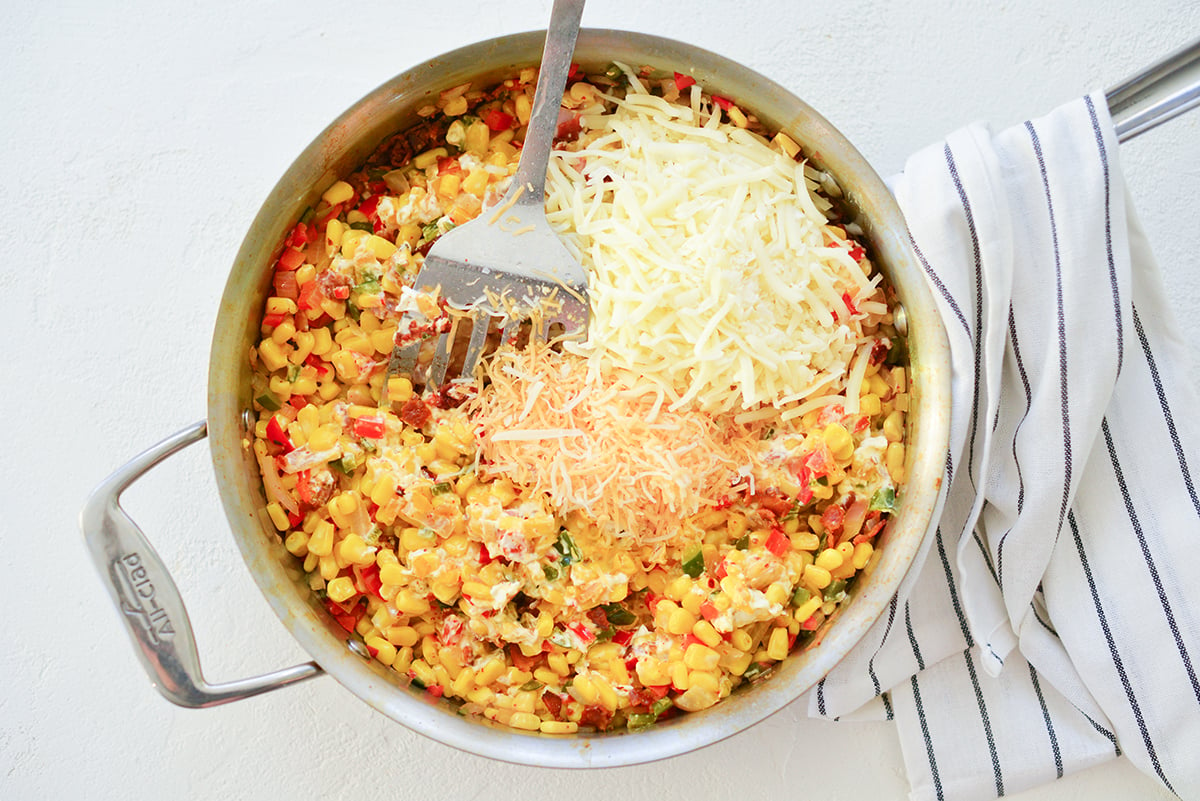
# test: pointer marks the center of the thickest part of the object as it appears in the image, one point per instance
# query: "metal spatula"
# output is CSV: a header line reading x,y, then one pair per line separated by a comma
x,y
508,263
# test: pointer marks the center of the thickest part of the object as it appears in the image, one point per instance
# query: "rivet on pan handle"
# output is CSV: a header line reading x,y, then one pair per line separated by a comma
x,y
143,591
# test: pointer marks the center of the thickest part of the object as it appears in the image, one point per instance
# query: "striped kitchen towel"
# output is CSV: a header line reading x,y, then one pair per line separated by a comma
x,y
1049,626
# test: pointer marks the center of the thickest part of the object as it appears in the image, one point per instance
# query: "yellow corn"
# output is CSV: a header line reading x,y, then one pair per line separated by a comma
x,y
526,721
559,726
340,192
491,670
894,459
862,555
806,609
840,443
701,657
818,577
410,603
273,355
679,675
584,689
777,594
777,646
321,541
385,651
558,663
829,559
296,543
680,621
278,516
705,632
355,551
401,635
893,426
341,588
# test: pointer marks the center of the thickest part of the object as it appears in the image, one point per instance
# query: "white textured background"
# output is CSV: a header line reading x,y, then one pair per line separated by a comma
x,y
137,141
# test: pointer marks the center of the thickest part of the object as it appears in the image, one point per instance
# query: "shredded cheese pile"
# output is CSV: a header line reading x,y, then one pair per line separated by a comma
x,y
711,269
604,445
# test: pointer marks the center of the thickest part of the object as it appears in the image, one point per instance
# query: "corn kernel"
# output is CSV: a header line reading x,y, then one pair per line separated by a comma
x,y
559,726
584,690
321,541
777,646
679,675
701,657
893,426
818,577
429,158
278,516
558,663
894,459
355,551
526,721
862,555
272,355
680,621
705,680
296,543
777,594
341,589
829,559
340,192
401,636
410,603
806,609
385,652
489,672
704,631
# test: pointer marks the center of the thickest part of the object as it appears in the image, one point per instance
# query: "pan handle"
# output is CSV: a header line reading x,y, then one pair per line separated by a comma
x,y
142,589
1160,92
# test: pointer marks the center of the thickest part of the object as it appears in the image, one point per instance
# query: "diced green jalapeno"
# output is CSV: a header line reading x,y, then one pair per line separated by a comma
x,y
800,597
363,226
742,543
641,720
661,705
268,401
567,548
442,487
551,572
532,684
618,615
884,500
693,563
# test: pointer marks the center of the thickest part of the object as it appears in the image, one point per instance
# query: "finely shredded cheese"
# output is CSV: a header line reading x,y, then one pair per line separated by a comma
x,y
713,271
604,444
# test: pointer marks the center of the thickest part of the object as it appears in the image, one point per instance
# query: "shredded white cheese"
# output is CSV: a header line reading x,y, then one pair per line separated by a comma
x,y
711,272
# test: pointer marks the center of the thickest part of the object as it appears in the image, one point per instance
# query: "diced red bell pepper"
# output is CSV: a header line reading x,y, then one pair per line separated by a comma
x,y
276,434
290,259
812,623
346,620
778,542
368,427
304,487
683,81
575,73
327,215
448,165
709,611
585,635
310,296
857,253
369,206
297,402
720,571
658,690
805,476
497,120
339,292
849,302
299,236
651,601
692,639
723,102
369,581
295,519
436,690
273,320
623,637
569,127
317,363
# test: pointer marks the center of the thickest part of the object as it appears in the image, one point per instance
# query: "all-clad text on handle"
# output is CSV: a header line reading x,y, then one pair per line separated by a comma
x,y
150,604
